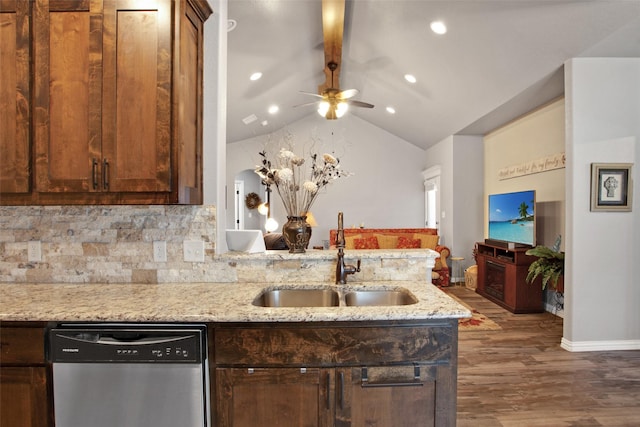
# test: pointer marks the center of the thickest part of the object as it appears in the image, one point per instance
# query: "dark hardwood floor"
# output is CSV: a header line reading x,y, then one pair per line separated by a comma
x,y
520,376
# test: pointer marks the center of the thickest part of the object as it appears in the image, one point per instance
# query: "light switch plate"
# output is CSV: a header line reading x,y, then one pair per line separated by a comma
x,y
34,251
160,251
193,250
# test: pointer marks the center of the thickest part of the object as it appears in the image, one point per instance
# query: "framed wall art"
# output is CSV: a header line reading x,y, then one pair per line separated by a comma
x,y
611,187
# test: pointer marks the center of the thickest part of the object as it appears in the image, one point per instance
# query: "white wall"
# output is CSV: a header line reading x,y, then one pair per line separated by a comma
x,y
603,125
468,200
215,117
385,191
461,182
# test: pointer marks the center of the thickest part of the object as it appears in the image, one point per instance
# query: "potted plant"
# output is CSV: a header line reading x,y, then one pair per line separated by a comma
x,y
549,265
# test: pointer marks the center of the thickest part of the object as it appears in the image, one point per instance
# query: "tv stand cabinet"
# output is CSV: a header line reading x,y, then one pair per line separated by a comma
x,y
501,278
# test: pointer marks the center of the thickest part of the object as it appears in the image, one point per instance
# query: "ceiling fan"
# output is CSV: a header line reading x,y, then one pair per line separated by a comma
x,y
334,102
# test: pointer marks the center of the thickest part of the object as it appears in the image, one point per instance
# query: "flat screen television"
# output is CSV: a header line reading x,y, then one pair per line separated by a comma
x,y
512,217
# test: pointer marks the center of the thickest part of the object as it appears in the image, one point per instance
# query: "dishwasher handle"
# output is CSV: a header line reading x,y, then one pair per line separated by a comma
x,y
102,339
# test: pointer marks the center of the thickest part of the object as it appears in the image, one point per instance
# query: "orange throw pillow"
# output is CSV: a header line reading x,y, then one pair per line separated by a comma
x,y
406,243
349,241
366,243
386,241
428,241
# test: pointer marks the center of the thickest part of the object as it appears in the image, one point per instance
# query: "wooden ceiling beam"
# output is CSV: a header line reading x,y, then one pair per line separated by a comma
x,y
332,30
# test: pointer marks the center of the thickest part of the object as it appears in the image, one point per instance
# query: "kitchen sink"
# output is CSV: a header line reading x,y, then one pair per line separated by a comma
x,y
379,298
298,298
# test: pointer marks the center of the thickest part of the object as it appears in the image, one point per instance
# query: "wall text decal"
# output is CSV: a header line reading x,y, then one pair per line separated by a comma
x,y
555,161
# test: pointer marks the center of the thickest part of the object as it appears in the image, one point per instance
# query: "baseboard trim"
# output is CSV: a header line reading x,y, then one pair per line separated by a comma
x,y
577,346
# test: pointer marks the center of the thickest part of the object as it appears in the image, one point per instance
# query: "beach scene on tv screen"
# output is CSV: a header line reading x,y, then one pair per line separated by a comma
x,y
511,217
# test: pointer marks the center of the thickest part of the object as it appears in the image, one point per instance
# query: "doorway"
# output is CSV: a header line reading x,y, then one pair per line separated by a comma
x,y
432,197
245,218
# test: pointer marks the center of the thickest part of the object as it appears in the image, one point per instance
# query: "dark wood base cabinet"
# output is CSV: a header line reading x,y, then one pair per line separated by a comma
x,y
336,375
279,375
501,278
24,390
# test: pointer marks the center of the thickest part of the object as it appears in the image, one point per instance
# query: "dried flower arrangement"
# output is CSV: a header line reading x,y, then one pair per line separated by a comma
x,y
297,187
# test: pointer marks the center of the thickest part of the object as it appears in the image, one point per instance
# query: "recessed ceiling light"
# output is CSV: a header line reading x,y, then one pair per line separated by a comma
x,y
273,109
264,123
391,110
255,76
410,78
231,25
438,27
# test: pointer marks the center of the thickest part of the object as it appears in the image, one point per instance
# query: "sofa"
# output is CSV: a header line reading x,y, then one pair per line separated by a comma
x,y
399,238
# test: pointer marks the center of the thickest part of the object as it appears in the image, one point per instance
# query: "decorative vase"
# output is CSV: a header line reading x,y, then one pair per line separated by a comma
x,y
296,234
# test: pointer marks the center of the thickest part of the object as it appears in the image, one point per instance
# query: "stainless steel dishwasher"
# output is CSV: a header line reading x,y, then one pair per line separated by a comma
x,y
129,375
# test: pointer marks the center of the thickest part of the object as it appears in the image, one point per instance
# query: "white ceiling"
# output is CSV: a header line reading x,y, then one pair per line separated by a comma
x,y
498,60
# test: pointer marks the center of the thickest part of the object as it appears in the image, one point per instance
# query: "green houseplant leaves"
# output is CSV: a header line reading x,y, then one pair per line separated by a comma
x,y
549,265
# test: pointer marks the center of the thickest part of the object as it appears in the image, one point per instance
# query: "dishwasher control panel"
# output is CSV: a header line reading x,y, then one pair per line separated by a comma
x,y
126,344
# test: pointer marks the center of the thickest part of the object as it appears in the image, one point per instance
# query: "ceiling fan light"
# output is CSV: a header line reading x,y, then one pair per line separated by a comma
x,y
341,108
323,108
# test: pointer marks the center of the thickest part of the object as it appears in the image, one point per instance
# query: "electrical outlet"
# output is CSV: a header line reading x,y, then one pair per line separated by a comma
x,y
34,251
160,251
193,251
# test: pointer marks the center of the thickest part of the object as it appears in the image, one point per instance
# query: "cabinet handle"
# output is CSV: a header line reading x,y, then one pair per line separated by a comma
x,y
415,383
407,384
328,387
105,174
341,378
94,173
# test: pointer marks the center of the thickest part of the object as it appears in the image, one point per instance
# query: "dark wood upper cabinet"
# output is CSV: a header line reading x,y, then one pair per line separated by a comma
x,y
116,103
15,25
68,90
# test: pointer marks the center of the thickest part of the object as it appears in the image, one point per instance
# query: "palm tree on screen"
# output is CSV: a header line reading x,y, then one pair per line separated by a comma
x,y
523,210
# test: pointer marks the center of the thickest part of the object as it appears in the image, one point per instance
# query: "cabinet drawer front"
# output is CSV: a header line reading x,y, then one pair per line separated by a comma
x,y
321,346
21,346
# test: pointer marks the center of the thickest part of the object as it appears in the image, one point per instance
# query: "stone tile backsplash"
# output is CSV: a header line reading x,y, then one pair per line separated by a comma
x,y
106,244
114,244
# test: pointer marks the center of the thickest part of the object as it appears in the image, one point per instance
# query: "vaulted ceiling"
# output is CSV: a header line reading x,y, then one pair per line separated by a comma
x,y
498,60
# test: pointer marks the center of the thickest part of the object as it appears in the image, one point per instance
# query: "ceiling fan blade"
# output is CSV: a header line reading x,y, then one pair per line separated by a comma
x,y
306,104
346,94
312,94
360,104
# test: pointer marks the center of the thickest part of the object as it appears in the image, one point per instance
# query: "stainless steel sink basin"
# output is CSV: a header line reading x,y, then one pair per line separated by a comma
x,y
298,298
379,298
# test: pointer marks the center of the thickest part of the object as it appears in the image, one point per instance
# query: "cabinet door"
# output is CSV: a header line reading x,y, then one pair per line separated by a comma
x,y
400,396
23,397
136,109
14,96
67,58
188,93
274,397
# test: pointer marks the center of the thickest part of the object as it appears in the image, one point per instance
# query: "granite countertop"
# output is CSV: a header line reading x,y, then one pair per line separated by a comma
x,y
205,302
320,254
